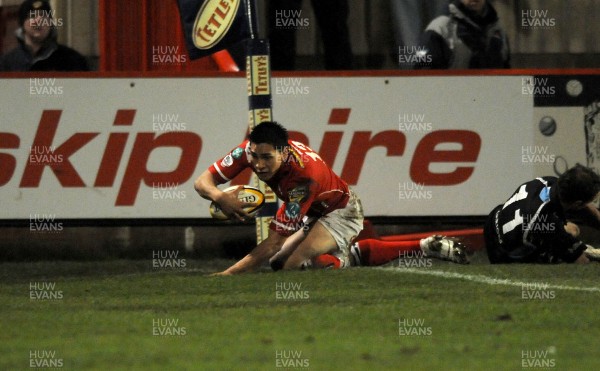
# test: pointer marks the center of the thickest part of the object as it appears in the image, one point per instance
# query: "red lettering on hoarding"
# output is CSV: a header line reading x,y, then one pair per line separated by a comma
x,y
298,136
114,150
430,151
330,146
395,144
64,170
339,116
393,140
136,171
8,163
111,160
427,154
124,117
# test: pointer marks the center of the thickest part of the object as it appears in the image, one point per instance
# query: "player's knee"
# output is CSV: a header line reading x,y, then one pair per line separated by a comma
x,y
295,261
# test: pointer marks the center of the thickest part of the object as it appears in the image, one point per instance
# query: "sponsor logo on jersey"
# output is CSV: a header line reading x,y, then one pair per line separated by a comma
x,y
298,194
237,153
292,210
545,194
227,161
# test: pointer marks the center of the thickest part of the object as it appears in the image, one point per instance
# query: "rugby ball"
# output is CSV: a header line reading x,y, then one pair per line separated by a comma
x,y
247,194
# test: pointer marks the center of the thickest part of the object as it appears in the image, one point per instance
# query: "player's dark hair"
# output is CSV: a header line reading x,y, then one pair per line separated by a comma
x,y
579,183
270,132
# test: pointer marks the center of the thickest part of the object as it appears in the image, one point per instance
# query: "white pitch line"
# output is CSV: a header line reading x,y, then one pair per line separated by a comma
x,y
487,280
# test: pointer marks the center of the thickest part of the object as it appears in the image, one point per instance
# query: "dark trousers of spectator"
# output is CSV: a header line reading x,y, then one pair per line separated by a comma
x,y
331,18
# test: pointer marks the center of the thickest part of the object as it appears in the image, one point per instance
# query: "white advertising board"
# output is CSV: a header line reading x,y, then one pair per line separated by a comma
x,y
131,148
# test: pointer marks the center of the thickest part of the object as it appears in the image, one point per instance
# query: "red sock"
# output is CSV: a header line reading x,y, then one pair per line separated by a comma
x,y
377,252
326,261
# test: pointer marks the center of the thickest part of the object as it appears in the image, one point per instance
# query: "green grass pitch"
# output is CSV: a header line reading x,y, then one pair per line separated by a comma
x,y
127,315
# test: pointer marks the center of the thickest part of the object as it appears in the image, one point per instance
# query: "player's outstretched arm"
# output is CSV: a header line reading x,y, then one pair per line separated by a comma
x,y
261,253
277,261
206,186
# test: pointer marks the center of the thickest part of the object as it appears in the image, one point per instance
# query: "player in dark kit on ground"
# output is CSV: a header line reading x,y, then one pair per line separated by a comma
x,y
532,227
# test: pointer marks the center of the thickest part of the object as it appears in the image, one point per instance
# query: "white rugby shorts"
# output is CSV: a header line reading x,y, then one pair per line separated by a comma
x,y
345,224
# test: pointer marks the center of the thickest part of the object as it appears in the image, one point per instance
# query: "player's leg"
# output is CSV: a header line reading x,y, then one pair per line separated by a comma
x,y
444,248
377,252
326,261
370,252
318,241
495,253
333,233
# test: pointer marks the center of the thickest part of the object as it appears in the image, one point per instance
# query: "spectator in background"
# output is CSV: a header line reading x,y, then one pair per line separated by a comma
x,y
284,19
38,49
409,18
469,37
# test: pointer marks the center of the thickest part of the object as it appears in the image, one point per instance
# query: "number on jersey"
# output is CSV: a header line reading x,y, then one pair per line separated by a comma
x,y
518,219
303,153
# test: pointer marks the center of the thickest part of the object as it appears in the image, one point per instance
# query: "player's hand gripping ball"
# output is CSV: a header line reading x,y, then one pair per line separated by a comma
x,y
247,195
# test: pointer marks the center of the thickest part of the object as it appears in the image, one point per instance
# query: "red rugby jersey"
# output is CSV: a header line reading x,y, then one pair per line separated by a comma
x,y
305,184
